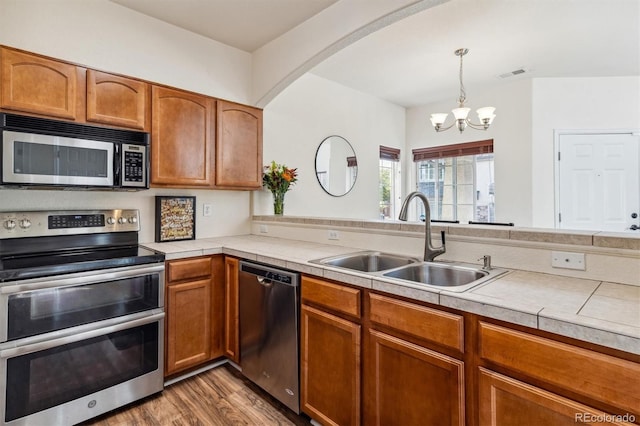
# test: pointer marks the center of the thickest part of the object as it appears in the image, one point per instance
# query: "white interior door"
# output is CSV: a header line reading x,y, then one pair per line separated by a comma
x,y
598,181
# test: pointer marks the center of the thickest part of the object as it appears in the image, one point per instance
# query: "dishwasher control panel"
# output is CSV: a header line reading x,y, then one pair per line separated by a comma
x,y
284,277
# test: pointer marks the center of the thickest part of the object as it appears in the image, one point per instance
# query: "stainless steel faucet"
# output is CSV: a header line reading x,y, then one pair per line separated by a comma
x,y
430,252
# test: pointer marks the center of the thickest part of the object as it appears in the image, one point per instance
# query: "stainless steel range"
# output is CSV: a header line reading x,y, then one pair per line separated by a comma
x,y
81,315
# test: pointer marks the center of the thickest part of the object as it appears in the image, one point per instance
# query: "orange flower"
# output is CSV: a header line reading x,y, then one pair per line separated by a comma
x,y
278,177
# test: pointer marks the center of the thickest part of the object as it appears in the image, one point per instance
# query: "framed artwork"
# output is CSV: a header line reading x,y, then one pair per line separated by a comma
x,y
175,218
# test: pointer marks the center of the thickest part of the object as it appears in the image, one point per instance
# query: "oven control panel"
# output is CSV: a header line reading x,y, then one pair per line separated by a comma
x,y
43,223
59,221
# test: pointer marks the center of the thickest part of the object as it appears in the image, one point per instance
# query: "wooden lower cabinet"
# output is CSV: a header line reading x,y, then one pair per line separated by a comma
x,y
407,384
588,375
231,310
423,365
506,401
329,367
188,324
193,308
410,382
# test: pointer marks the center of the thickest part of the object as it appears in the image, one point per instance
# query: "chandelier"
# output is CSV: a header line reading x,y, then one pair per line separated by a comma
x,y
460,114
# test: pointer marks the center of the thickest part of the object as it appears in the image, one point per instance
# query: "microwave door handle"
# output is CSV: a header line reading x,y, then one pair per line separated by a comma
x,y
117,164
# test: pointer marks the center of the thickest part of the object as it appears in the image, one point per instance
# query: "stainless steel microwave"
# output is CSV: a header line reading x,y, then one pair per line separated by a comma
x,y
39,152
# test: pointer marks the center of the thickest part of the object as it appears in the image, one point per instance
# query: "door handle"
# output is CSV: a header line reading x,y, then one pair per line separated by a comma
x,y
265,281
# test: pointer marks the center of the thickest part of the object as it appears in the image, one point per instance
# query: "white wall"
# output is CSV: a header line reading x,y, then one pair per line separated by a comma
x,y
604,103
103,35
305,113
528,112
110,37
511,134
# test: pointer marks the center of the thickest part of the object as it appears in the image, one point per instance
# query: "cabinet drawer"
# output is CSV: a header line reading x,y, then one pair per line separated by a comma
x,y
178,270
333,296
506,401
592,374
429,324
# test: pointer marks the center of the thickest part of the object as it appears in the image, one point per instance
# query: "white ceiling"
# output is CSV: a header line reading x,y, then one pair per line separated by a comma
x,y
412,63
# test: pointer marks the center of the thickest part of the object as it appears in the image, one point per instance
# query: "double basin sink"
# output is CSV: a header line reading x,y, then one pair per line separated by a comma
x,y
455,277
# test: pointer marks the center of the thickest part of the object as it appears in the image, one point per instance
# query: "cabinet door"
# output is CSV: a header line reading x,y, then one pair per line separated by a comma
x,y
231,326
330,367
118,101
188,324
217,306
407,384
38,85
590,374
181,143
506,401
238,146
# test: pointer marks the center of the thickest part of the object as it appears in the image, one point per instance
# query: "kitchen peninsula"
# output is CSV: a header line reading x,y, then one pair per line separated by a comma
x,y
587,322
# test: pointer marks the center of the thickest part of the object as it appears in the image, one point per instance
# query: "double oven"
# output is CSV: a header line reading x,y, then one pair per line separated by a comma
x,y
81,315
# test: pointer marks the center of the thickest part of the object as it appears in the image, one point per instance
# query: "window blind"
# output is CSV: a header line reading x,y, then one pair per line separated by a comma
x,y
388,153
455,150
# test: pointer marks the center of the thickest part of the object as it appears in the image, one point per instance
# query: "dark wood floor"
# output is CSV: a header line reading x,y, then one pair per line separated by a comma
x,y
221,396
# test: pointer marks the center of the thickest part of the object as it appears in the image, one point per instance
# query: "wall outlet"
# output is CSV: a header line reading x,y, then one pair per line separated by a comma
x,y
207,210
264,229
333,235
568,260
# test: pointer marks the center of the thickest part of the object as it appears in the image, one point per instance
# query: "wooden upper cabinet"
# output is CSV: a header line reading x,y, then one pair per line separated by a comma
x,y
182,138
117,101
38,85
238,146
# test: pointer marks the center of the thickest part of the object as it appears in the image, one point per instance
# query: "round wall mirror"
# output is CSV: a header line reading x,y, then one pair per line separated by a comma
x,y
336,166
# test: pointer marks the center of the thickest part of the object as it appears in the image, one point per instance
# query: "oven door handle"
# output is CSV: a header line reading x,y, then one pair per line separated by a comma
x,y
48,344
82,278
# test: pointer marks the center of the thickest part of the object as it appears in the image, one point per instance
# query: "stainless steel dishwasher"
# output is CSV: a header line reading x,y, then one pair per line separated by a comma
x,y
269,300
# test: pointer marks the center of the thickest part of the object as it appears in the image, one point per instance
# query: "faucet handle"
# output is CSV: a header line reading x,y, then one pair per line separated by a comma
x,y
442,237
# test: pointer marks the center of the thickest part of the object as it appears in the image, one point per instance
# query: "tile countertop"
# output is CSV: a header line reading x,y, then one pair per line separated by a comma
x,y
599,312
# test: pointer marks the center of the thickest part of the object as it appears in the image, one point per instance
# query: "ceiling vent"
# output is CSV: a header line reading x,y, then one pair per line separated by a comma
x,y
512,73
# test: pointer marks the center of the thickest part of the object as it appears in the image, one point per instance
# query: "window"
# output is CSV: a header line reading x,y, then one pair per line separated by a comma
x,y
389,182
464,187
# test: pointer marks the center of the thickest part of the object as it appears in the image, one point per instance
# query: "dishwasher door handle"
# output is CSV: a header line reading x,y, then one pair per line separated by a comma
x,y
265,281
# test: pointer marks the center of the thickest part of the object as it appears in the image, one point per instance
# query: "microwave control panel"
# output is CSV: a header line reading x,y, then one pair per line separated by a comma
x,y
134,165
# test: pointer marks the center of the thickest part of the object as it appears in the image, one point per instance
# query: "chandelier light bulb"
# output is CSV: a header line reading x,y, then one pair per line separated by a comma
x,y
438,119
485,114
461,113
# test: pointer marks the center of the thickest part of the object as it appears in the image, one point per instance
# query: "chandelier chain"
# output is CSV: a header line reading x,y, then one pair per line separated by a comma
x,y
463,93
